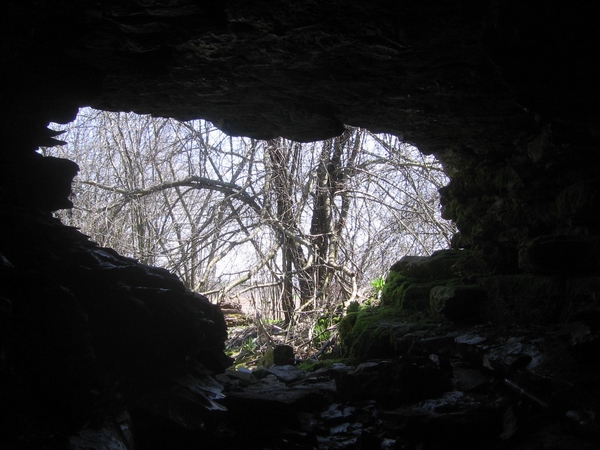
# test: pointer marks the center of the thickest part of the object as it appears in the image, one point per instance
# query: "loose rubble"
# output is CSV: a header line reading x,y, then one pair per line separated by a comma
x,y
482,387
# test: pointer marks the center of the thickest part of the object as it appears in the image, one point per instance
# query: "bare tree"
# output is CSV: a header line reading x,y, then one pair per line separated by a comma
x,y
311,224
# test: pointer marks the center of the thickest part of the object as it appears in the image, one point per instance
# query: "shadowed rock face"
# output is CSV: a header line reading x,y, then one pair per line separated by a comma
x,y
442,73
504,93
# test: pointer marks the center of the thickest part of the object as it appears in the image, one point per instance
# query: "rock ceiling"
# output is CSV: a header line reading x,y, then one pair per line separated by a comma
x,y
442,74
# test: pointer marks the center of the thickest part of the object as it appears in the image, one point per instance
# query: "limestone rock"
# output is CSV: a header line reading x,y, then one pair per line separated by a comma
x,y
439,265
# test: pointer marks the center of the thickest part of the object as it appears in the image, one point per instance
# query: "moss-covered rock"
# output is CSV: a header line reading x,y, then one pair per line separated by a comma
x,y
410,280
406,299
366,334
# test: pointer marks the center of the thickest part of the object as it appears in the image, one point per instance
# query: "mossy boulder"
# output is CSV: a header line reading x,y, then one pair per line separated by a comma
x,y
406,303
376,332
411,279
367,333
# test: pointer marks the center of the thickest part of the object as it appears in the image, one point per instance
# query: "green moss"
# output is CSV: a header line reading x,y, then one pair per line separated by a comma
x,y
405,300
347,322
362,334
412,293
394,289
266,360
353,307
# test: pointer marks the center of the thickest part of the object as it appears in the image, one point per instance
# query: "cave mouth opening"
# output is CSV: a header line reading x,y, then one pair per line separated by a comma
x,y
287,232
269,225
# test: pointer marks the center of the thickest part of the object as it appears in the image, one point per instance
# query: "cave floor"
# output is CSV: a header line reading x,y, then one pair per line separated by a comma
x,y
483,387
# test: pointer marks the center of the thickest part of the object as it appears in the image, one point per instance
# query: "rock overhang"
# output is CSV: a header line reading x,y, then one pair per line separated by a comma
x,y
265,69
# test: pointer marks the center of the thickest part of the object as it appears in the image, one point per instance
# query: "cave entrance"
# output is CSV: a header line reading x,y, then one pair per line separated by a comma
x,y
288,231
